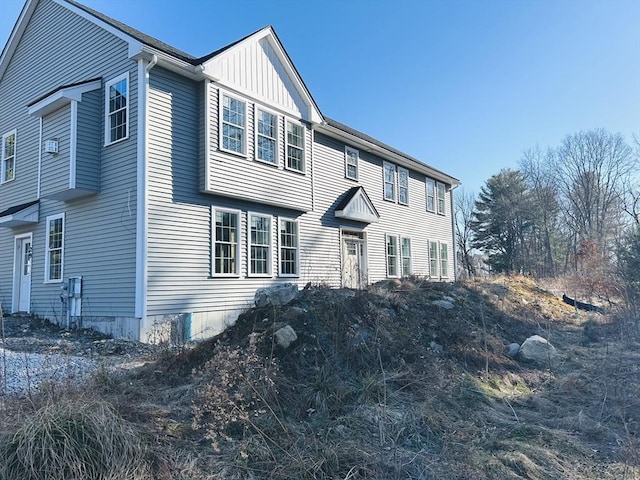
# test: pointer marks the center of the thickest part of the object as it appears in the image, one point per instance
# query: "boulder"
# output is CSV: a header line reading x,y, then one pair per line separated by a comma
x,y
446,304
285,336
276,296
513,349
293,313
538,350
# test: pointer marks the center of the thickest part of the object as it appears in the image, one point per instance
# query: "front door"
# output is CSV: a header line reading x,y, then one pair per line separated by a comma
x,y
354,264
22,282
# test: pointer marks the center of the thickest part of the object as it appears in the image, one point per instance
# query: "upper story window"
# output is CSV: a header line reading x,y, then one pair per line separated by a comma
x,y
351,163
8,168
233,125
392,256
259,245
441,192
226,247
389,181
289,248
295,146
266,136
116,125
54,248
431,194
403,186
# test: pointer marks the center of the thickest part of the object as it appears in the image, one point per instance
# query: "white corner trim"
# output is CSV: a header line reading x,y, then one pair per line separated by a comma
x,y
39,159
207,135
73,139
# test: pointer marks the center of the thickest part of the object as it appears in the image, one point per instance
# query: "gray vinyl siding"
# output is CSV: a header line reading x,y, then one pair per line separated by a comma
x,y
249,179
60,48
410,220
55,168
90,132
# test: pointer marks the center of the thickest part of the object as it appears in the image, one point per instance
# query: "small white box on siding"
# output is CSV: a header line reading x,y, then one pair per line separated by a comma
x,y
51,146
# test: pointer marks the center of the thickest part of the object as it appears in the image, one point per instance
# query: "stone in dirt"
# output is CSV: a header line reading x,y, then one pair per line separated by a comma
x,y
513,349
447,305
538,350
276,296
285,336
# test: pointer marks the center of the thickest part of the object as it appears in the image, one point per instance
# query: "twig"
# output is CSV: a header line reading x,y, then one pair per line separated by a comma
x,y
4,354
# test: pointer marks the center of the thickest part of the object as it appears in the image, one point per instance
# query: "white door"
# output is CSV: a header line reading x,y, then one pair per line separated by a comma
x,y
354,265
23,271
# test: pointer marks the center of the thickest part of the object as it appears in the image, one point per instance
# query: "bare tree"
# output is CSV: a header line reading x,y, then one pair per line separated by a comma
x,y
465,202
593,167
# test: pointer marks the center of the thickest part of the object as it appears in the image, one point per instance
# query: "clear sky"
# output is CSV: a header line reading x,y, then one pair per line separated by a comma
x,y
465,85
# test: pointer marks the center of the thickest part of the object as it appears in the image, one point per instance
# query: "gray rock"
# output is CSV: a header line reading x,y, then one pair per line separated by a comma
x,y
443,304
276,296
436,347
293,313
513,349
285,336
538,350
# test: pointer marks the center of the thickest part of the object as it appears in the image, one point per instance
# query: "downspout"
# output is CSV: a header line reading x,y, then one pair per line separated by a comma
x,y
39,160
142,213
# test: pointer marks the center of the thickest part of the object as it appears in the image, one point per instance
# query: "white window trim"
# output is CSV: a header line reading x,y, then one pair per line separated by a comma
x,y
107,113
269,274
440,245
245,147
432,182
288,275
384,181
238,213
402,257
276,161
398,169
286,146
347,150
3,172
444,198
437,258
46,248
386,256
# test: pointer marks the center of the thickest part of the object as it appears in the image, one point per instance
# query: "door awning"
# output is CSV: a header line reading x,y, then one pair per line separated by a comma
x,y
20,215
356,205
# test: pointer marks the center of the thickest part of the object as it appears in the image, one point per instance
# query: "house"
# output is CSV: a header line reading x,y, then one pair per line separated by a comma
x,y
142,187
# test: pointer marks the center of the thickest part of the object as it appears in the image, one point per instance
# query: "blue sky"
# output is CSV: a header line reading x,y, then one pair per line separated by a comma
x,y
464,85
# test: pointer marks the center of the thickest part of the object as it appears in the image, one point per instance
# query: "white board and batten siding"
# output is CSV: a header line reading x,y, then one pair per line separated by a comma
x,y
99,241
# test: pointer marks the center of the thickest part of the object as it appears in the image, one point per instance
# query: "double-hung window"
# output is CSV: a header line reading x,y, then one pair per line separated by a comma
x,y
351,163
116,125
389,181
433,259
259,244
54,248
289,248
392,256
226,251
8,168
431,194
405,249
403,186
444,260
295,146
266,136
233,125
441,192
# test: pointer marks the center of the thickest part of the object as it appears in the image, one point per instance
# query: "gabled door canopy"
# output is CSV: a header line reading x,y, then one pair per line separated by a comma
x,y
356,205
20,215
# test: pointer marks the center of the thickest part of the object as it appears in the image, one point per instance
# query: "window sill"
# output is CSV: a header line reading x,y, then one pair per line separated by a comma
x,y
225,275
289,275
52,282
275,164
8,181
293,170
351,178
259,275
234,153
120,140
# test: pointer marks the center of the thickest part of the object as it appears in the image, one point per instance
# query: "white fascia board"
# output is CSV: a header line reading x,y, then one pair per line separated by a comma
x,y
141,51
61,97
16,34
387,154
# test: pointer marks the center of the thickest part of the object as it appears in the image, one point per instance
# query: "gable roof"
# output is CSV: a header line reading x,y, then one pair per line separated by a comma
x,y
356,205
141,44
20,215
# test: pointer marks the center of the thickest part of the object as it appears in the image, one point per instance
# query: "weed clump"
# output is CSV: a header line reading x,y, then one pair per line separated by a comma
x,y
73,439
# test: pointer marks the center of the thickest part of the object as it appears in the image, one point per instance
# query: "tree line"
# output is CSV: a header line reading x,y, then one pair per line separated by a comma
x,y
571,210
